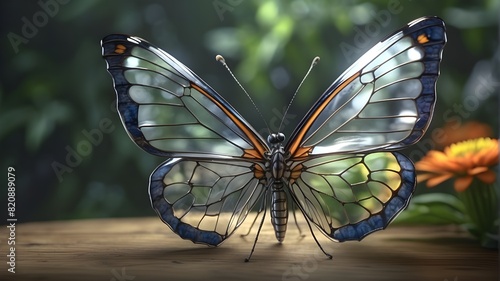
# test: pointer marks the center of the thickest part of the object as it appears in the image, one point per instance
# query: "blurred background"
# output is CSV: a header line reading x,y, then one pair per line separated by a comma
x,y
60,131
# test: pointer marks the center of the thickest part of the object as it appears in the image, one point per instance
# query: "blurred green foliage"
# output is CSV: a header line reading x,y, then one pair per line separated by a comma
x,y
55,92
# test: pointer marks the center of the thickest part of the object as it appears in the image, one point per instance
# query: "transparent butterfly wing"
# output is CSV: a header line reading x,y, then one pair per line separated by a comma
x,y
168,110
384,101
348,196
204,201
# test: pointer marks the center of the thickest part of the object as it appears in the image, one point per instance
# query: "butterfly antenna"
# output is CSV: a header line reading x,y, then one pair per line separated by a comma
x,y
313,63
223,61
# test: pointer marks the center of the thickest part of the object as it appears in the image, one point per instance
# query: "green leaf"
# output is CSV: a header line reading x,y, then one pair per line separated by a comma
x,y
430,199
435,208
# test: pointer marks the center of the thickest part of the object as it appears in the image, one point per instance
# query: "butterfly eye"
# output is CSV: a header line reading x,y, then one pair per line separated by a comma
x,y
280,137
275,138
272,138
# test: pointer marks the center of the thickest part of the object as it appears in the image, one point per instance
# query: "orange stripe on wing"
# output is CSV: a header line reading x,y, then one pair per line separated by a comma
x,y
299,152
120,49
259,149
422,39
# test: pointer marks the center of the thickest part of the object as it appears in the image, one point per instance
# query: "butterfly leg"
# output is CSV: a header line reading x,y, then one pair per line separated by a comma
x,y
294,209
254,220
264,206
317,242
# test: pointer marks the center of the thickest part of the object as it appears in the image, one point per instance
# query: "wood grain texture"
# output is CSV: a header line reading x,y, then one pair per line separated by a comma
x,y
145,249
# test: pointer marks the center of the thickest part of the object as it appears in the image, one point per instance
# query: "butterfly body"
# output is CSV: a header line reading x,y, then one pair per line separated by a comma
x,y
340,166
277,166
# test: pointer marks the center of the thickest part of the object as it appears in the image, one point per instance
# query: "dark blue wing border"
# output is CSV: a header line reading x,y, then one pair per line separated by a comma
x,y
165,212
433,28
128,109
392,208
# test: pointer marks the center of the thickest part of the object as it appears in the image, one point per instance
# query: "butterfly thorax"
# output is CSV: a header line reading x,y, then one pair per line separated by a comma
x,y
276,165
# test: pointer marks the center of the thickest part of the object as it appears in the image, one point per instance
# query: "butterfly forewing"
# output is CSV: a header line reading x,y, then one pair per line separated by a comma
x,y
382,102
169,111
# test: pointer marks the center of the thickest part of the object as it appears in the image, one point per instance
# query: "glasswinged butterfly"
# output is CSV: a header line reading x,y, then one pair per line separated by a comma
x,y
340,166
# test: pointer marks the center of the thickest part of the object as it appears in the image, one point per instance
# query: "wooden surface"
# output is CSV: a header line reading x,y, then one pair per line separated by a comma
x,y
145,249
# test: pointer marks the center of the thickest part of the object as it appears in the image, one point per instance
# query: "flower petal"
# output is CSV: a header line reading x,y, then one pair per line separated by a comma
x,y
438,179
440,164
424,177
487,177
477,170
462,183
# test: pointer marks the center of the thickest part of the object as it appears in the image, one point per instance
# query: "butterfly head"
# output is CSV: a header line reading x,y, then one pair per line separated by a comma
x,y
275,139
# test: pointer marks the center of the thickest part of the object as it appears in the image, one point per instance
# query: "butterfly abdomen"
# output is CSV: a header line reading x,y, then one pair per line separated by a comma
x,y
277,166
279,210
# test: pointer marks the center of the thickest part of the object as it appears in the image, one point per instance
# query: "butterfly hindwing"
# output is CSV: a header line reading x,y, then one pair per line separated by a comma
x,y
169,111
384,101
348,196
204,201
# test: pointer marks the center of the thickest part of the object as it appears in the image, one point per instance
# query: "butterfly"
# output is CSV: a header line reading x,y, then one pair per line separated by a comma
x,y
340,167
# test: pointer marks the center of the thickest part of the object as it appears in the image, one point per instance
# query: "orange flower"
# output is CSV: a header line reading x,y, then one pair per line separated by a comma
x,y
465,161
454,132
